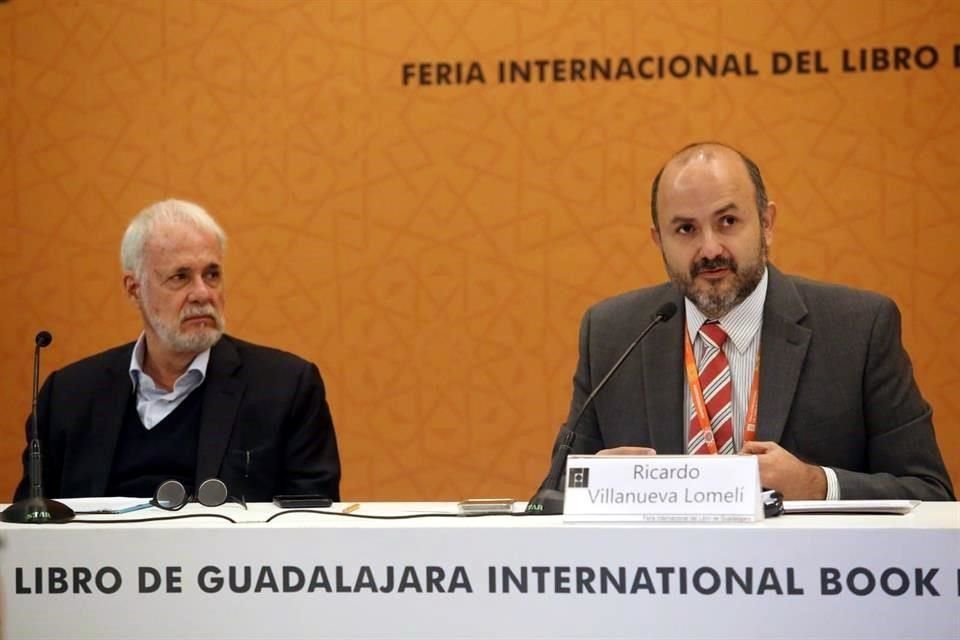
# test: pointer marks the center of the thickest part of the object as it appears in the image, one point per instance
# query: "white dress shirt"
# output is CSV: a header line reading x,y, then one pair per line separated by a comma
x,y
153,403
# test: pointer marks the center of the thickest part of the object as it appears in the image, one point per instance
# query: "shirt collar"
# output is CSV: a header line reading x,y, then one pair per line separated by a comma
x,y
741,324
198,364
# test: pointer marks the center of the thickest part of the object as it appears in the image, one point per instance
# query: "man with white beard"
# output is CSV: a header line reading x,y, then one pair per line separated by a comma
x,y
185,401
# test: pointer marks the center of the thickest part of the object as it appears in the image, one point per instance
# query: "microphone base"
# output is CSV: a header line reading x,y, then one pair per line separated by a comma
x,y
37,511
547,502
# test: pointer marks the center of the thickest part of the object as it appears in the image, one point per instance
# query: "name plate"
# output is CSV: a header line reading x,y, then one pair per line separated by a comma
x,y
662,489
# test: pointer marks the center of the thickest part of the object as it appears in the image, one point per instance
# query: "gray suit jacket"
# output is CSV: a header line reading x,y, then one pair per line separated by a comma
x,y
836,386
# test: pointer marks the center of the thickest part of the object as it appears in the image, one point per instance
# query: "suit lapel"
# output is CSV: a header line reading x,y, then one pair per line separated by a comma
x,y
663,379
220,403
106,422
783,346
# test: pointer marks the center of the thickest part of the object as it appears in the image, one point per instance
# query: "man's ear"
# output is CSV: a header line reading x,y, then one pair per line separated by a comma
x,y
767,221
655,236
131,287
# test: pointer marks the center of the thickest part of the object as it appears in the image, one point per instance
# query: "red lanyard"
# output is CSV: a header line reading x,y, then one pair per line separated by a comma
x,y
696,393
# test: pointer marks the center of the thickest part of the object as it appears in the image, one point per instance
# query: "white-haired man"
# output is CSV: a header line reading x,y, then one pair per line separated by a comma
x,y
184,402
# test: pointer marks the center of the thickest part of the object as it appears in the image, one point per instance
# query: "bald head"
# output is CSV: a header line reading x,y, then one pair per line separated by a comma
x,y
706,152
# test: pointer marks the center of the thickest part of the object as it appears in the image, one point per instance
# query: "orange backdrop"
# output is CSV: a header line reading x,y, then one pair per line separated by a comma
x,y
433,247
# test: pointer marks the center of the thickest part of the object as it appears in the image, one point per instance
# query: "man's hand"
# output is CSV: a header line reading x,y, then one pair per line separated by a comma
x,y
627,451
784,472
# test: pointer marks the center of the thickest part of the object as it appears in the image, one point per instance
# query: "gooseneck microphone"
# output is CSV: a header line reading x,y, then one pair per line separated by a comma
x,y
549,498
35,509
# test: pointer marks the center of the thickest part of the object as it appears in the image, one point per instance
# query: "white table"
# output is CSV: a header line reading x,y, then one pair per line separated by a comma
x,y
324,576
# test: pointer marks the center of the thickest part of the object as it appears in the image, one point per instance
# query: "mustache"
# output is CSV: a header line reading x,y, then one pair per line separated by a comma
x,y
199,311
709,264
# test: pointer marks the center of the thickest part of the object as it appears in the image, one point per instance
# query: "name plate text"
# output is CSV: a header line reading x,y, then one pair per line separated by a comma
x,y
662,488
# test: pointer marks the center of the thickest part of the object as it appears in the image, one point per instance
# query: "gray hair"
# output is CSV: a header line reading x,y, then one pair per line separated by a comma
x,y
139,229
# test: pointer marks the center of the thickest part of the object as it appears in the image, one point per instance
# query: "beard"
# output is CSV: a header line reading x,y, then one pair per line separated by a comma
x,y
715,300
200,339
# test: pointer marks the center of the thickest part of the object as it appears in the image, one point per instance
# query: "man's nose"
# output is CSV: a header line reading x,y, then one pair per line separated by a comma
x,y
199,290
710,247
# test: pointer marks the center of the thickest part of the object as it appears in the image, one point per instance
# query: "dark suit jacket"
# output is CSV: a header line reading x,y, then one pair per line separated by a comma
x,y
836,386
258,400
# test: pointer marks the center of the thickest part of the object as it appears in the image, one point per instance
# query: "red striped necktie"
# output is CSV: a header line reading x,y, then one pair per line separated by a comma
x,y
715,381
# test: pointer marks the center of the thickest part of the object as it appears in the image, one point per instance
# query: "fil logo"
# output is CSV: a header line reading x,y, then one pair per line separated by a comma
x,y
579,478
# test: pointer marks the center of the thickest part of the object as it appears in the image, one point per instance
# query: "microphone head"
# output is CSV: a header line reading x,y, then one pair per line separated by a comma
x,y
666,311
43,339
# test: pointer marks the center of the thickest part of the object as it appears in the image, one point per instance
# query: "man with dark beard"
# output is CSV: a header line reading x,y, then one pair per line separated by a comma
x,y
811,378
184,402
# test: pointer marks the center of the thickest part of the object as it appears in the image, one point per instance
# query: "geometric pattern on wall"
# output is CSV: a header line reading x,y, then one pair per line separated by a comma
x,y
432,248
